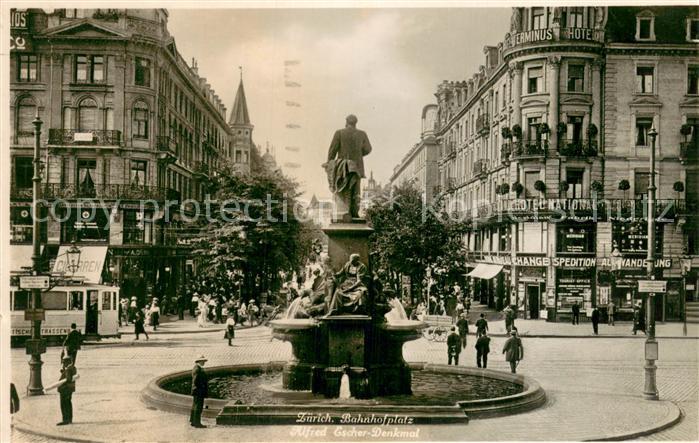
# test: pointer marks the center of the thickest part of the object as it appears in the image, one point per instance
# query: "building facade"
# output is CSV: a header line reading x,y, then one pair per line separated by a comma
x,y
420,165
129,128
545,152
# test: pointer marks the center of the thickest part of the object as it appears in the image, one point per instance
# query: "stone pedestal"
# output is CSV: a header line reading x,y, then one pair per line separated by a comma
x,y
347,335
345,238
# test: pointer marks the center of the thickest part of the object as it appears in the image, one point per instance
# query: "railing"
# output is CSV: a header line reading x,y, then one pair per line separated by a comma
x,y
84,138
689,151
167,144
108,192
480,167
530,149
17,193
578,148
482,124
505,151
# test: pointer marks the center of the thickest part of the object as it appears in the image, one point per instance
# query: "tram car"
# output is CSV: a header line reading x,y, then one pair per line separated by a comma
x,y
93,308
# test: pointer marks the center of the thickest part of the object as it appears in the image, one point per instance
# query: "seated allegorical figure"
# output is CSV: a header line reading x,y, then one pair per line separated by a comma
x,y
350,293
316,299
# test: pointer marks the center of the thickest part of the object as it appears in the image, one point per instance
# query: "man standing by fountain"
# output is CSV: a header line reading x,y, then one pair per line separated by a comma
x,y
200,389
345,168
513,350
453,346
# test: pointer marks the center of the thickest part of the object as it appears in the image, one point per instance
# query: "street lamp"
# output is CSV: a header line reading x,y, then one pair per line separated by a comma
x,y
686,268
650,390
73,258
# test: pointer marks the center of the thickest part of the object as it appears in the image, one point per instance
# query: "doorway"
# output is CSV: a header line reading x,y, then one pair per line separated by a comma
x,y
533,299
92,312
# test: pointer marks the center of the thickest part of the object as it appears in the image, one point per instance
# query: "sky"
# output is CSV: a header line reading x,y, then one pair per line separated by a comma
x,y
305,70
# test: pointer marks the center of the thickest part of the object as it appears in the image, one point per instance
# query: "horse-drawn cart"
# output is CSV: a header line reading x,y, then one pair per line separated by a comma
x,y
438,327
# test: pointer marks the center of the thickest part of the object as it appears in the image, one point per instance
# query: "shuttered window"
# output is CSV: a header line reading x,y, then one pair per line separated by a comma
x,y
26,111
87,116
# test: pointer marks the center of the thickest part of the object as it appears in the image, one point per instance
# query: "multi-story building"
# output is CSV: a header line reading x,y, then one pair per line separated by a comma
x,y
125,120
419,166
556,122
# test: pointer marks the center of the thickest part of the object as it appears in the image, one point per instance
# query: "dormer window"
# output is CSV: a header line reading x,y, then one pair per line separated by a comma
x,y
693,29
645,26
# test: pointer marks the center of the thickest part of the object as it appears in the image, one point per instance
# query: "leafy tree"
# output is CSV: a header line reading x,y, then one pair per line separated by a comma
x,y
409,237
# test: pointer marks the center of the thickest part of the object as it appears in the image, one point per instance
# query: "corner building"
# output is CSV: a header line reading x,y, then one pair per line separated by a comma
x,y
534,147
125,120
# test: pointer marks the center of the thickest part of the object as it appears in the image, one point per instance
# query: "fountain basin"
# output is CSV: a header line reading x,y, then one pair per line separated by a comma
x,y
427,405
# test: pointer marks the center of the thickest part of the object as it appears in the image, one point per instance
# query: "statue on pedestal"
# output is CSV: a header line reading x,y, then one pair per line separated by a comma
x,y
350,296
345,168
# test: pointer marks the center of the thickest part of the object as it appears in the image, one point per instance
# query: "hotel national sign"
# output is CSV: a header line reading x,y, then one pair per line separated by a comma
x,y
554,34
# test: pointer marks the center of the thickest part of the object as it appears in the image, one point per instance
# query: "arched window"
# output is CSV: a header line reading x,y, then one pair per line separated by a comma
x,y
87,115
26,111
140,120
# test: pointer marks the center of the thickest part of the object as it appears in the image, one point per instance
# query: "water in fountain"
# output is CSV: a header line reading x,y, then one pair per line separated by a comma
x,y
345,387
293,308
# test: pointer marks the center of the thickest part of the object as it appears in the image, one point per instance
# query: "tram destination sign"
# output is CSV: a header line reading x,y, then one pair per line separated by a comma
x,y
652,286
34,282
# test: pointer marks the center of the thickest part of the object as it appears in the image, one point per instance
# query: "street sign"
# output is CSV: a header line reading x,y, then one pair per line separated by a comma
x,y
34,282
34,315
653,286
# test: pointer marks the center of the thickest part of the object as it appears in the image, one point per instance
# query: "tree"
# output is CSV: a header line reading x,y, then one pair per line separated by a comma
x,y
409,237
253,231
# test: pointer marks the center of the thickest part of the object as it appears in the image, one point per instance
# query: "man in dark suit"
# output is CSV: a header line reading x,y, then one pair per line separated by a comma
x,y
576,313
66,389
482,350
72,342
595,320
345,167
200,389
453,346
513,350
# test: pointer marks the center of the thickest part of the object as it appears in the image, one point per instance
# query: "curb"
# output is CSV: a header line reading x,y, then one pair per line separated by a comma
x,y
648,431
53,436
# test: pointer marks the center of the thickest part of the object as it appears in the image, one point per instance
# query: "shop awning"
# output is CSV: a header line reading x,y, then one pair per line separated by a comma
x,y
90,266
485,271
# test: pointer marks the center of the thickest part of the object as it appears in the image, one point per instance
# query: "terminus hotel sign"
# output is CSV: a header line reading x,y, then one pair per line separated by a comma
x,y
554,34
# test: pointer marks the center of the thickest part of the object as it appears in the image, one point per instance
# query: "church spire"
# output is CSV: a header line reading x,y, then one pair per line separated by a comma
x,y
239,114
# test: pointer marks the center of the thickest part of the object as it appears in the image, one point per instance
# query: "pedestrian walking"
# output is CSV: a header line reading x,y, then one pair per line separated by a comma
x,y
211,309
595,320
14,399
611,310
181,305
576,313
508,318
252,312
72,343
200,390
124,311
219,310
133,307
482,350
467,305
194,304
513,350
453,348
139,323
66,389
639,321
481,325
462,325
230,328
154,312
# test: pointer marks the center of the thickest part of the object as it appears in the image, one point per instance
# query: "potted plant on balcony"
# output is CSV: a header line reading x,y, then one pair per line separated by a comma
x,y
517,132
564,186
544,128
597,187
518,188
506,133
504,189
685,130
540,186
624,185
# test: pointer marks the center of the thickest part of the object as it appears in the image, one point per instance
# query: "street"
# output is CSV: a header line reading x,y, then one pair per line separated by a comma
x,y
593,387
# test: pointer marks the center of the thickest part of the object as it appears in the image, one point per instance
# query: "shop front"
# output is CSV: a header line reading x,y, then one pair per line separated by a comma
x,y
574,285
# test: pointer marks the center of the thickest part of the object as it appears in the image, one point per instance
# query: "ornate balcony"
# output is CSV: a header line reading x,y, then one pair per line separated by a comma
x,y
75,137
689,152
167,148
106,192
482,124
578,148
530,149
480,168
20,193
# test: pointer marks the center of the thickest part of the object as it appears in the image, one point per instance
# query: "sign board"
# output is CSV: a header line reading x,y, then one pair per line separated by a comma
x,y
653,286
82,137
19,331
34,282
34,315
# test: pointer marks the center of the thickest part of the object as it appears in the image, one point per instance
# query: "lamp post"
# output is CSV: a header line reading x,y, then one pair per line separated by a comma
x,y
36,345
650,390
686,268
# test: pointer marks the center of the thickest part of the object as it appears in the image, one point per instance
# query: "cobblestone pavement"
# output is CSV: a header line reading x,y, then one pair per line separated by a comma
x,y
593,388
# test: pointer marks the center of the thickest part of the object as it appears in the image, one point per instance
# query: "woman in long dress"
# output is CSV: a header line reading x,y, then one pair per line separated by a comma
x,y
201,320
